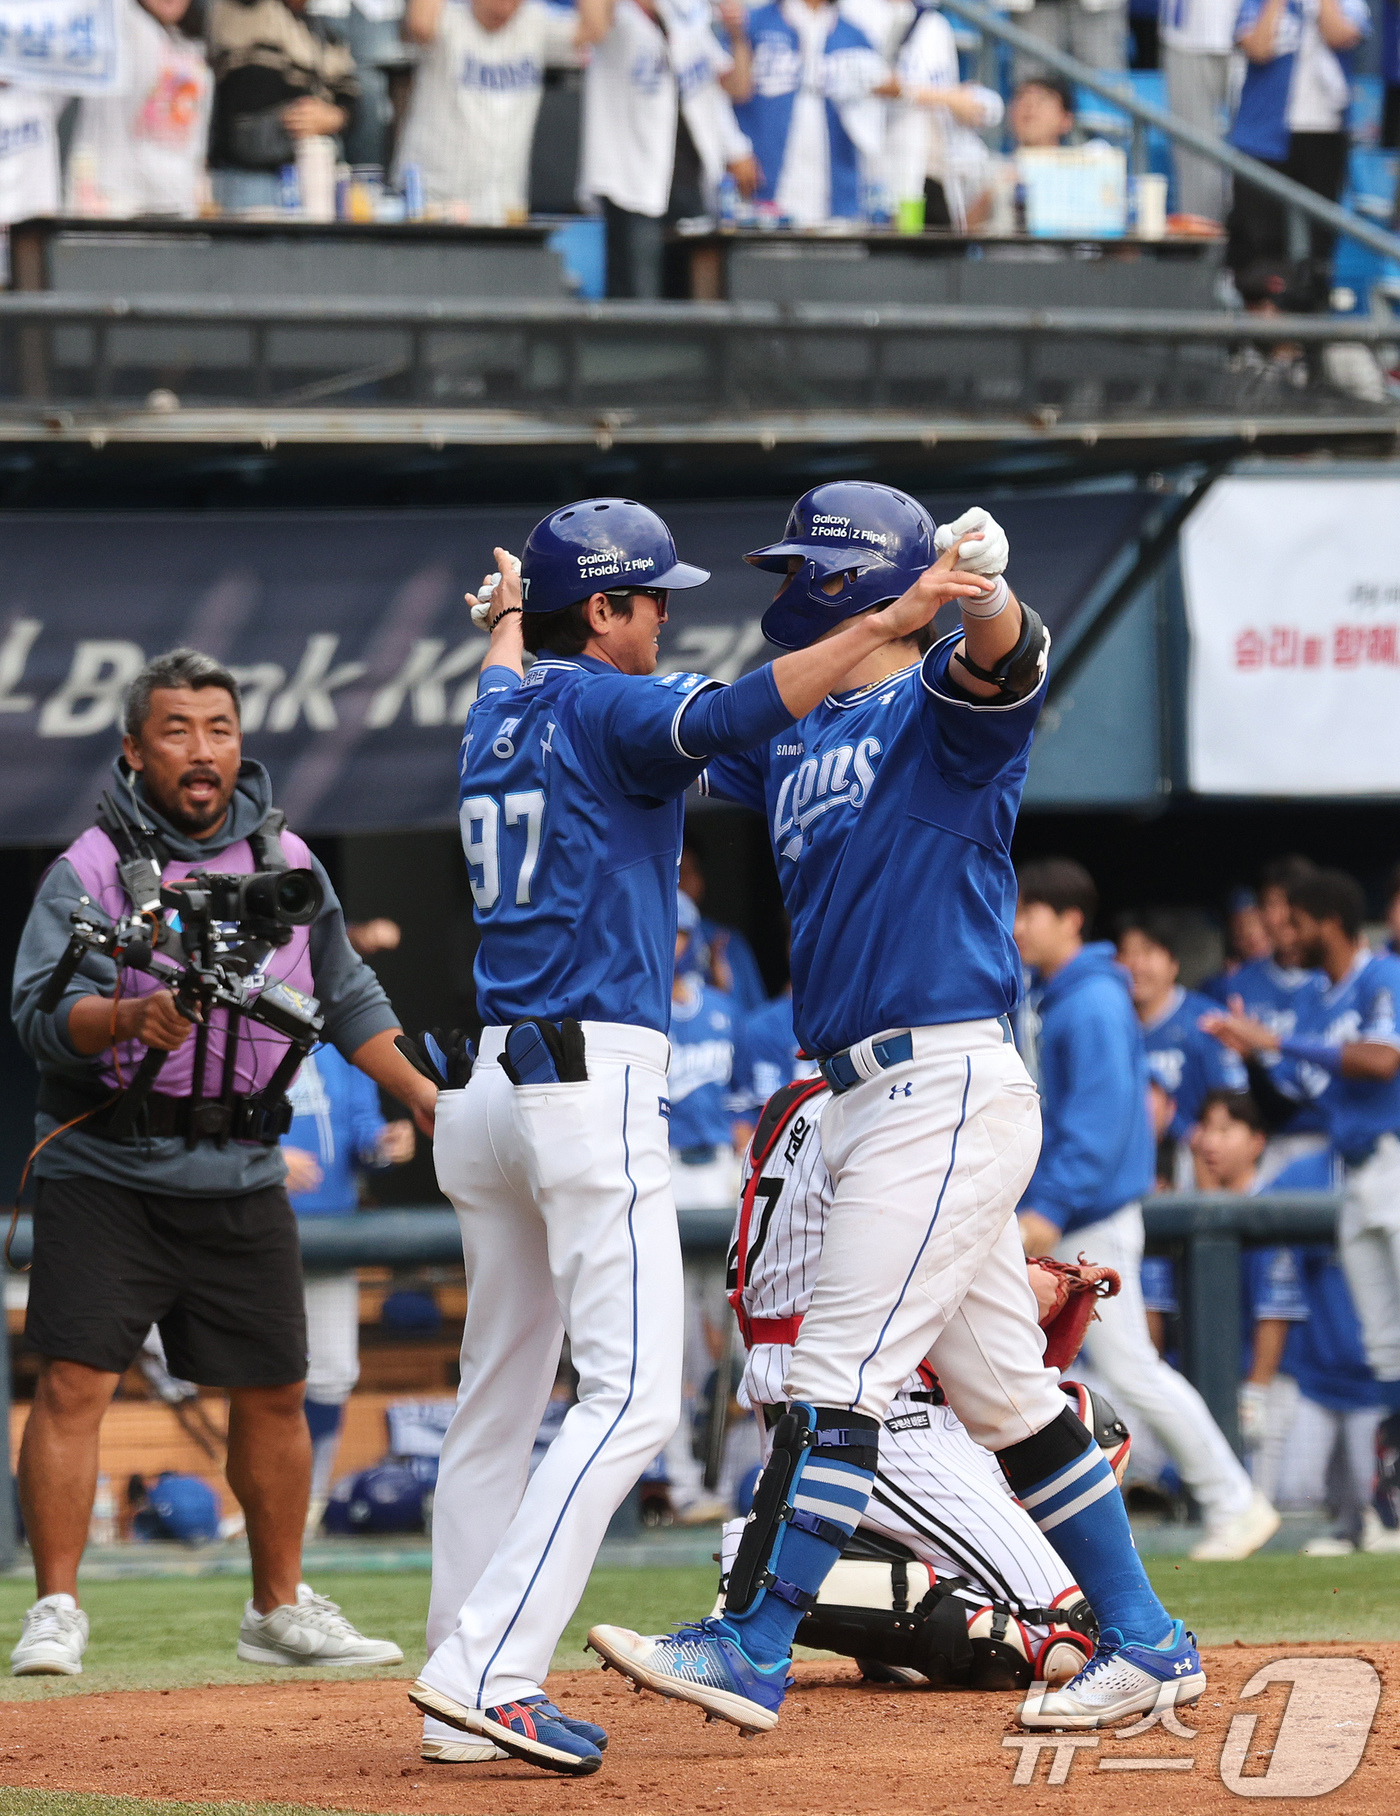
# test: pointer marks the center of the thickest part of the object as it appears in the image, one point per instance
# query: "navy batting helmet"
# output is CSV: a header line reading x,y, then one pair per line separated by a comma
x,y
597,546
877,539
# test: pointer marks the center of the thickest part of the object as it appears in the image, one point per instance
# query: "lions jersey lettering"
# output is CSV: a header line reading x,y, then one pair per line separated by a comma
x,y
700,1075
839,778
570,808
934,781
1187,1062
1284,1000
1358,1111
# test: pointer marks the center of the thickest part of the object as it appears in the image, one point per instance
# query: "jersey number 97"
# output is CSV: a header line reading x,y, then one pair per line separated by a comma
x,y
481,817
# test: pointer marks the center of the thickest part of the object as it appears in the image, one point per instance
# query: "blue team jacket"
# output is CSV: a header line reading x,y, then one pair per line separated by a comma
x,y
337,1118
1097,1151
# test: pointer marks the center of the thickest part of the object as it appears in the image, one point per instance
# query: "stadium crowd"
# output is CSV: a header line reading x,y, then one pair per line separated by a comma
x,y
796,112
1280,1072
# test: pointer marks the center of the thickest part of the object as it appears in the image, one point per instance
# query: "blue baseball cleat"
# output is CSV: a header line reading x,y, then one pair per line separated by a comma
x,y
532,1730
1122,1680
586,1730
703,1664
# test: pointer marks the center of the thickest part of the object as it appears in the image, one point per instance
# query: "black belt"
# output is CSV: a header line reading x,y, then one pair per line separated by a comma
x,y
164,1118
699,1156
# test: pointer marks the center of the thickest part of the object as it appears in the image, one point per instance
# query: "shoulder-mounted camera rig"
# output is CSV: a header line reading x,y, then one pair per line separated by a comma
x,y
207,937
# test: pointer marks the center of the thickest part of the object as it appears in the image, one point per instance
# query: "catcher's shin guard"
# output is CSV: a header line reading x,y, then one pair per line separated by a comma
x,y
897,1616
826,1510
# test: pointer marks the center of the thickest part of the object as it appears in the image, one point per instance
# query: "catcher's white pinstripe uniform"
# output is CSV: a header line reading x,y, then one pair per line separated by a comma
x,y
936,1490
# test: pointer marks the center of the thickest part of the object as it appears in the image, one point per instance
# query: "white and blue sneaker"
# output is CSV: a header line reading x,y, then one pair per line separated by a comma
x,y
532,1730
1122,1680
704,1664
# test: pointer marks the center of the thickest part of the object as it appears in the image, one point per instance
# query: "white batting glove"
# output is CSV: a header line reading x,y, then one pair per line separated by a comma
x,y
481,611
989,556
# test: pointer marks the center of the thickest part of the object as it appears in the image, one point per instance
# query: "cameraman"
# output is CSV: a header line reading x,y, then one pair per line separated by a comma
x,y
186,1223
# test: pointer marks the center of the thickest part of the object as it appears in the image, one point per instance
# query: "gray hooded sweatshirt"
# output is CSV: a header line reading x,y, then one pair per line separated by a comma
x,y
351,996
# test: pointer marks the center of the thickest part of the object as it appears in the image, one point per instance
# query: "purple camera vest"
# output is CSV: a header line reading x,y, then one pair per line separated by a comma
x,y
94,858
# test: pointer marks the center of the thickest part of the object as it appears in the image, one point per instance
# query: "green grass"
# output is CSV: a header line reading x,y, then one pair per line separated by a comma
x,y
1281,1597
162,1634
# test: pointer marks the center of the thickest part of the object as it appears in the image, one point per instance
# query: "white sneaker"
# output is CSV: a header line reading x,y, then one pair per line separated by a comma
x,y
1328,1545
709,1509
1239,1536
1375,1534
54,1639
1120,1680
446,1746
314,1632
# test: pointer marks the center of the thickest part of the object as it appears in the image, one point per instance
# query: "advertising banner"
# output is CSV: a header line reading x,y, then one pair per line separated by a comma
x,y
349,637
1293,601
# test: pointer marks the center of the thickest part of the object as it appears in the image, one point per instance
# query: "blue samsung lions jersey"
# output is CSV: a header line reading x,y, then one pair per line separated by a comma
x,y
891,810
1362,1007
699,1080
1283,1000
571,815
768,1056
1187,1062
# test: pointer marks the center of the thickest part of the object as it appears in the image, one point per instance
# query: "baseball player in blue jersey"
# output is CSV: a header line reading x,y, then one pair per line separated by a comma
x,y
890,807
1185,1061
1281,992
555,1151
704,1177
1345,1056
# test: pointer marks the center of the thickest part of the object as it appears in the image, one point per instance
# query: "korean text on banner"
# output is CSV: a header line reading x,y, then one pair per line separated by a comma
x,y
1293,602
71,46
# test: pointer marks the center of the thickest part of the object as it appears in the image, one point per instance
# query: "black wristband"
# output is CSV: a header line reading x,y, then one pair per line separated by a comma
x,y
505,612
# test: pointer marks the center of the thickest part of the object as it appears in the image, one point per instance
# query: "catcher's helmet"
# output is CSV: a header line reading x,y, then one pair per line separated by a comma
x,y
596,546
879,539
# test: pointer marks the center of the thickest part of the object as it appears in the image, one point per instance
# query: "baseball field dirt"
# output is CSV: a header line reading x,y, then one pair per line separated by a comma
x,y
840,1748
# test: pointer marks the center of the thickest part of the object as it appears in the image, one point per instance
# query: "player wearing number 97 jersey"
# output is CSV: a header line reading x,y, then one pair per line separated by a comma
x,y
555,1153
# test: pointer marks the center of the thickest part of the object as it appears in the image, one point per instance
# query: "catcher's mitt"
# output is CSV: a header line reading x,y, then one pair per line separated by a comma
x,y
1065,1292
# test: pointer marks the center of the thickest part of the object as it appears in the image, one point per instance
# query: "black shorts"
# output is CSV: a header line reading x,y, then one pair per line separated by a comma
x,y
220,1276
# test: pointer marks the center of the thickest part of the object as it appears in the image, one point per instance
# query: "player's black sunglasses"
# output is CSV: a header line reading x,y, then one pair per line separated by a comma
x,y
660,594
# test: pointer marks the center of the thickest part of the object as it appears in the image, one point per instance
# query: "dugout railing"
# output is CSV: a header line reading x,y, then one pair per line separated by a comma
x,y
1208,1230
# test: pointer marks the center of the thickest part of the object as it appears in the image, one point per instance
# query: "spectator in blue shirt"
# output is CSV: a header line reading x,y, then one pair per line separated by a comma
x,y
338,1130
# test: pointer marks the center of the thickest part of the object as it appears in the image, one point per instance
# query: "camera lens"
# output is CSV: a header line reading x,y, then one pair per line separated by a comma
x,y
290,898
299,897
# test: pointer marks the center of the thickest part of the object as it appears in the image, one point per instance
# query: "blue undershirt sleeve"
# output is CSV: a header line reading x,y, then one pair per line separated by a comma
x,y
721,721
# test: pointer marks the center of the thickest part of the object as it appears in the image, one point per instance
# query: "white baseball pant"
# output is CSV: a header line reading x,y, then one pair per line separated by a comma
x,y
563,1194
1143,1387
1312,1440
922,1256
332,1336
1368,1235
